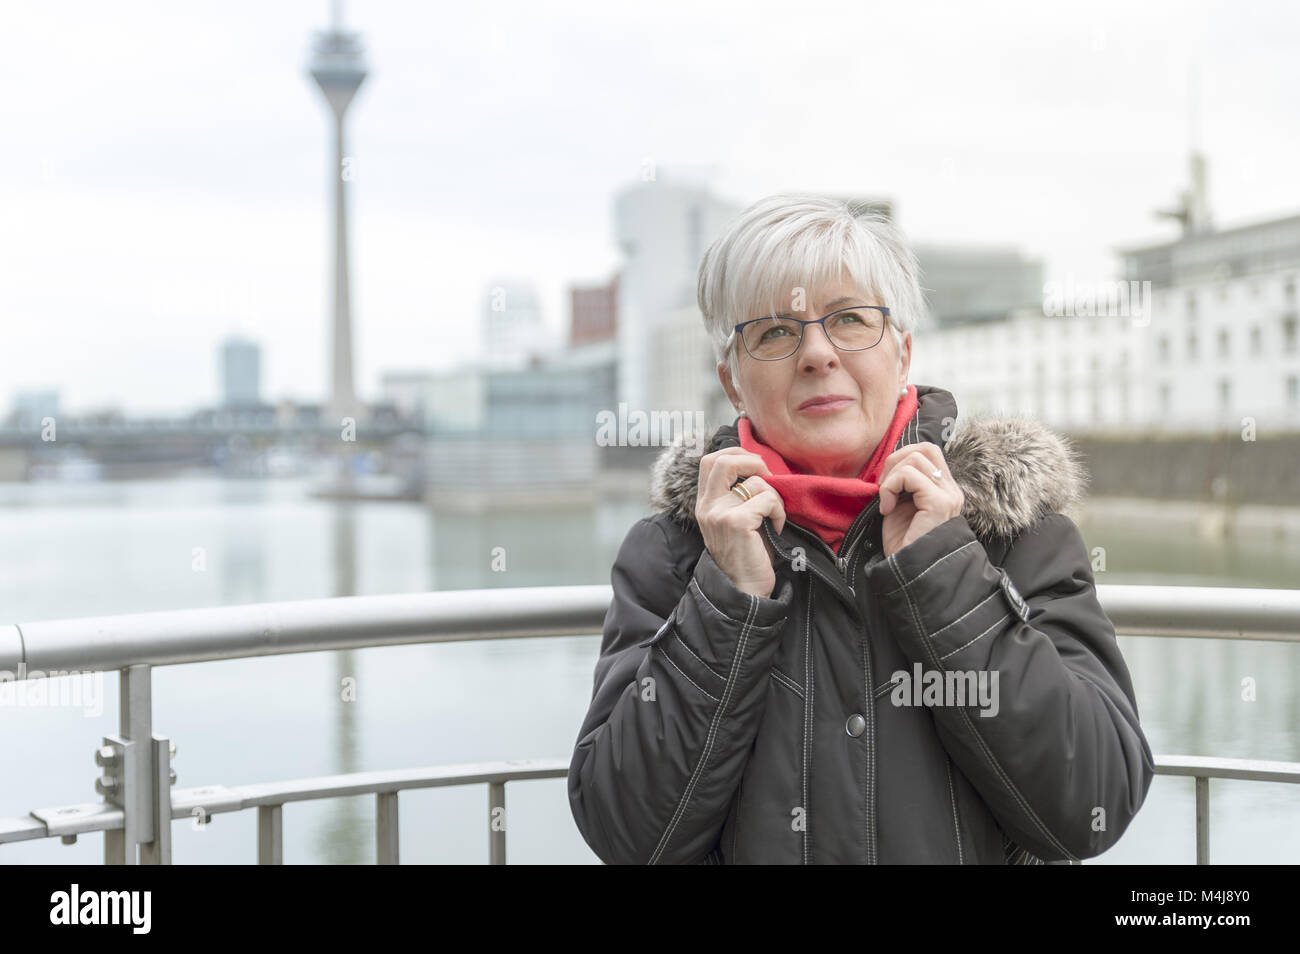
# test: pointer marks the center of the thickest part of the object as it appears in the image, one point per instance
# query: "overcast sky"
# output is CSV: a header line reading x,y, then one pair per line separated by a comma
x,y
165,179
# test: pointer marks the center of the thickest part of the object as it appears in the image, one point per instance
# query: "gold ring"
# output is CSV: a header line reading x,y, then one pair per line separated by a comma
x,y
741,491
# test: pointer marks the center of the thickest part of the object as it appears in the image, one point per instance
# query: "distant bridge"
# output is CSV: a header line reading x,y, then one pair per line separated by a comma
x,y
153,443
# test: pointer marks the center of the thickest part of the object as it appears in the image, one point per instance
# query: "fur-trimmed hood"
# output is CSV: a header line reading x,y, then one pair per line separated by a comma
x,y
1011,469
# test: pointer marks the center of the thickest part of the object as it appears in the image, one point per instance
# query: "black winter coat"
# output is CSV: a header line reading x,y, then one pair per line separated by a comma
x,y
731,728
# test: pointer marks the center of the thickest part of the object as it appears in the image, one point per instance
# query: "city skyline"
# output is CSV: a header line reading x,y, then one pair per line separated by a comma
x,y
147,223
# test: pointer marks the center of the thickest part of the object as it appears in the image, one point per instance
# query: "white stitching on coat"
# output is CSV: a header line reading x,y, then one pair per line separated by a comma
x,y
713,728
682,643
979,739
1004,618
952,797
700,590
786,681
809,712
684,676
899,575
967,613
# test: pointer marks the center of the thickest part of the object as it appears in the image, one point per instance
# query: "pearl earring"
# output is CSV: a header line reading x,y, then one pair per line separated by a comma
x,y
902,390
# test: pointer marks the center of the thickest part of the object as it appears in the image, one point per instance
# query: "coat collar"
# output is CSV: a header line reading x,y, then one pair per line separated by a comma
x,y
1011,469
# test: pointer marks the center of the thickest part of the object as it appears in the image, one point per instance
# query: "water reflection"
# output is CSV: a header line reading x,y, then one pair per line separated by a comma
x,y
346,833
243,561
1194,695
116,548
562,545
1135,552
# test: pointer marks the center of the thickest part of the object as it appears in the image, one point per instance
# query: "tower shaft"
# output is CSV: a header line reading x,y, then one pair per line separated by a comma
x,y
342,391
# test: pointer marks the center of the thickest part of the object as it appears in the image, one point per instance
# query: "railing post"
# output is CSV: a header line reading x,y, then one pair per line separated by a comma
x,y
386,828
270,834
135,724
135,772
496,823
1202,819
130,782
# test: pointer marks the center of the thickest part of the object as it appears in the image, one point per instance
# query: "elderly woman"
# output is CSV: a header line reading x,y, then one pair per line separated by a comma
x,y
851,634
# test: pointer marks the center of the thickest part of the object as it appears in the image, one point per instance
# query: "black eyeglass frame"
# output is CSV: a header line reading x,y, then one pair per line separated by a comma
x,y
803,328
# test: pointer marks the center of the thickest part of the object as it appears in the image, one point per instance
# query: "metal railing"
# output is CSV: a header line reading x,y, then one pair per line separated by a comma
x,y
139,802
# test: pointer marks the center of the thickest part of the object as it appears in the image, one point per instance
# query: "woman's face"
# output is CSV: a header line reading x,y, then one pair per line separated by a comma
x,y
833,439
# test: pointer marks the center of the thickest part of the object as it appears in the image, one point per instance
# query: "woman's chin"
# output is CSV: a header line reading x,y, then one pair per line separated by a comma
x,y
830,434
816,455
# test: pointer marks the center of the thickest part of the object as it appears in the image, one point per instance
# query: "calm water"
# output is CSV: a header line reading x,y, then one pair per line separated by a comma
x,y
91,549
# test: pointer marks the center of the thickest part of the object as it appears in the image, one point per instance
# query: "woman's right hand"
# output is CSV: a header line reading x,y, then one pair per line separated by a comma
x,y
733,527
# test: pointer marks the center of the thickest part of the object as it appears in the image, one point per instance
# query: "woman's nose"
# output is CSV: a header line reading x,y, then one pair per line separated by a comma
x,y
816,350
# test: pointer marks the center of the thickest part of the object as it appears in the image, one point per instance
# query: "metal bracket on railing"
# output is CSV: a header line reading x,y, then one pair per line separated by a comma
x,y
137,777
69,821
118,786
117,757
159,851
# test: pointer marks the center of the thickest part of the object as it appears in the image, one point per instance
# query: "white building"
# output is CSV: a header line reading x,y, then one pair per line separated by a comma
x,y
663,229
514,335
684,375
1076,373
1223,338
447,402
1199,336
1207,341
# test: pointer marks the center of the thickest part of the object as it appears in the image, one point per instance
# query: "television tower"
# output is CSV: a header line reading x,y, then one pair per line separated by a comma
x,y
338,68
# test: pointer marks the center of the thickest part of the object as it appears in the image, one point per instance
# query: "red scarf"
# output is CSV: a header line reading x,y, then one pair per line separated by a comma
x,y
828,505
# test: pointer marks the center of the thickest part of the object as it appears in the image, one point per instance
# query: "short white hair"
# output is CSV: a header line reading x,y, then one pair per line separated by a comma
x,y
803,240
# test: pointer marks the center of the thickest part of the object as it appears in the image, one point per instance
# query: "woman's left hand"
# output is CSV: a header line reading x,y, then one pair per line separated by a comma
x,y
910,469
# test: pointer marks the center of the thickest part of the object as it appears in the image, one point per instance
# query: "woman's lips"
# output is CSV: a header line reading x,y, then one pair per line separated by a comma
x,y
825,405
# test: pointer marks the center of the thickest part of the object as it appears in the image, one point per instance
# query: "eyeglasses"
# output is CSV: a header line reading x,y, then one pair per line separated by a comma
x,y
849,329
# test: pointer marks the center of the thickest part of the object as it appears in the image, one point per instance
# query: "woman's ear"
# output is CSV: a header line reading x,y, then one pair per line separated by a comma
x,y
733,395
905,359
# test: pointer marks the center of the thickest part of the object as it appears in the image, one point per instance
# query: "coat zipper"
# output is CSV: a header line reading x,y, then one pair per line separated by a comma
x,y
843,563
779,546
851,539
869,710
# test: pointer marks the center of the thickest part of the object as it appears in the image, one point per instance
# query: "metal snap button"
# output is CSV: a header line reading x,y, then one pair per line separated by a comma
x,y
855,725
